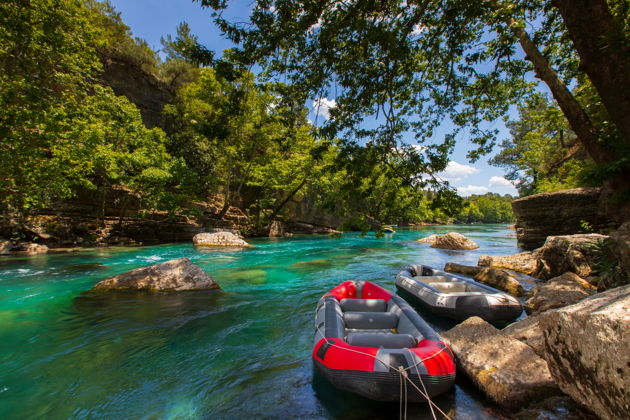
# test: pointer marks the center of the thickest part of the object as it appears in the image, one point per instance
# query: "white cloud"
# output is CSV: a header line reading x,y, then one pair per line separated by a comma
x,y
499,181
322,106
455,172
472,189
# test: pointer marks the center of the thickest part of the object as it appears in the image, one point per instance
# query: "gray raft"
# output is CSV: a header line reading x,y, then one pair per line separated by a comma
x,y
455,296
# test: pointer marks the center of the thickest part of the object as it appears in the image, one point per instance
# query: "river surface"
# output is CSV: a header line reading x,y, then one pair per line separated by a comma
x,y
240,353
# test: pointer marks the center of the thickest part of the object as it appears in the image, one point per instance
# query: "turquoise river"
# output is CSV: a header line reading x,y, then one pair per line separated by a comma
x,y
240,353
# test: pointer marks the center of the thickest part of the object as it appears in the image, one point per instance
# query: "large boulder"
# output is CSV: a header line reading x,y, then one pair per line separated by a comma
x,y
507,370
500,279
276,229
453,240
558,292
587,348
174,275
462,269
559,213
5,247
525,262
221,238
572,253
559,254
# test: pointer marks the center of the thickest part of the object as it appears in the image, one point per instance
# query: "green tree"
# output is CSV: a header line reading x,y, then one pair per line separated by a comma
x,y
414,64
59,130
543,154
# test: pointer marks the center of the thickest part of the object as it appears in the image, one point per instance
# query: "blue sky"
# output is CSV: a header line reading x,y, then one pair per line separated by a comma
x,y
151,19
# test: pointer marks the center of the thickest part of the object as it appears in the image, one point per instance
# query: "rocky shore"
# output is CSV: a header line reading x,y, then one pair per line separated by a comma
x,y
573,345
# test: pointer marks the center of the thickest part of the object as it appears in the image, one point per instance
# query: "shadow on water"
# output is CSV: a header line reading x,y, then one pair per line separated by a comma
x,y
463,401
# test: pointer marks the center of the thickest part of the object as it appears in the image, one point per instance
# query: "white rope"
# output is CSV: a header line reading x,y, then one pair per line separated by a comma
x,y
400,369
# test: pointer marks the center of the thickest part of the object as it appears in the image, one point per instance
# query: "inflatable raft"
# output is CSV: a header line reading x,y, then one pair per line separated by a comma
x,y
455,296
367,341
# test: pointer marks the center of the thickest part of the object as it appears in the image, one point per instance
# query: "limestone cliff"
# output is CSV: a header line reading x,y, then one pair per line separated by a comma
x,y
564,212
147,92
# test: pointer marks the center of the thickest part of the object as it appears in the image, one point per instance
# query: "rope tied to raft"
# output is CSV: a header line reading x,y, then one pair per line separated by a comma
x,y
400,369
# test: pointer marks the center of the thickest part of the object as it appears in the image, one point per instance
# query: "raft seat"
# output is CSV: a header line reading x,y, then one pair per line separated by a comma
x,y
451,286
363,305
370,320
386,341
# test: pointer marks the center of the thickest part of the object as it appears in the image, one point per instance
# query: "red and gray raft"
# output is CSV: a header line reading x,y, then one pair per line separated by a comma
x,y
366,337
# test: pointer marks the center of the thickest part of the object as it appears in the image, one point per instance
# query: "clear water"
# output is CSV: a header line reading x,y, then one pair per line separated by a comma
x,y
243,352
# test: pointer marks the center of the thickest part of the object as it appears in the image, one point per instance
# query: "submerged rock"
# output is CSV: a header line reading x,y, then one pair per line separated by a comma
x,y
558,292
174,275
221,238
525,262
453,240
500,279
507,370
587,351
468,270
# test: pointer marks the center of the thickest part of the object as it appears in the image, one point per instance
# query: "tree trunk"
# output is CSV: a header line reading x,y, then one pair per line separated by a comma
x,y
286,200
604,55
579,121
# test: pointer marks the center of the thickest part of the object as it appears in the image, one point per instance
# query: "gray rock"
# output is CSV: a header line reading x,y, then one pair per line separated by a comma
x,y
507,370
500,279
468,270
525,262
221,238
558,292
527,331
453,240
5,247
174,275
587,348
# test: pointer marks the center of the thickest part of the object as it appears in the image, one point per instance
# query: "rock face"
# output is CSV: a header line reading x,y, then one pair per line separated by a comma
x,y
175,275
500,279
586,347
5,247
462,269
558,213
222,238
453,240
507,370
525,262
558,292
